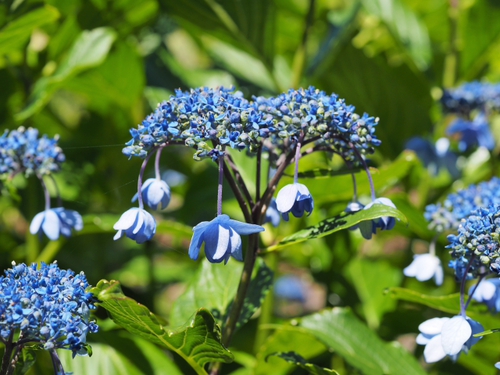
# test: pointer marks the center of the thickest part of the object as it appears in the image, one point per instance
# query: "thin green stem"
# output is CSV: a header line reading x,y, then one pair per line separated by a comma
x,y
239,180
237,194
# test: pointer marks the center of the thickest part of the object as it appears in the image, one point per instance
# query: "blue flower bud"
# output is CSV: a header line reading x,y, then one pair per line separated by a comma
x,y
155,194
137,224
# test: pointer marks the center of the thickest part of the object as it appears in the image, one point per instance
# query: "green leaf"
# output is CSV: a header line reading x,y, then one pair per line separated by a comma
x,y
392,93
341,331
284,339
89,50
198,341
449,303
296,359
370,279
338,223
26,360
405,26
318,173
214,287
478,37
17,32
247,25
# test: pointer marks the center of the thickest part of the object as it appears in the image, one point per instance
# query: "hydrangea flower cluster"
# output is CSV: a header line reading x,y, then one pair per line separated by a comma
x,y
48,306
208,119
23,151
475,249
460,205
471,96
214,120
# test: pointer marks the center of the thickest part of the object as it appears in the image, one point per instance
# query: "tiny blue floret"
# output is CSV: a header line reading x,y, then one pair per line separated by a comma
x,y
155,194
294,198
221,237
137,224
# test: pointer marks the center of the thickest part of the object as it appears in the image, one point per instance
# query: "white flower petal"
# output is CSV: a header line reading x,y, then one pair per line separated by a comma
x,y
433,351
432,326
37,222
484,292
222,243
286,198
126,220
51,225
454,334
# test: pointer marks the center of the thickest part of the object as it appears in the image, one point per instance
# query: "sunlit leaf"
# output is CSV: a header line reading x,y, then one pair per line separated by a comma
x,y
198,340
17,32
296,359
338,223
341,331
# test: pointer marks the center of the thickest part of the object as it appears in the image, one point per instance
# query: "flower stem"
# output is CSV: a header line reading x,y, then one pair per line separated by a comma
x,y
297,158
481,277
141,176
463,305
6,360
45,193
368,174
59,200
220,185
157,163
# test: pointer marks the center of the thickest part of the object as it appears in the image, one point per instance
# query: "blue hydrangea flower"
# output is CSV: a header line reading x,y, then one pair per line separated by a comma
x,y
23,151
424,267
470,96
478,234
221,237
473,133
369,227
487,292
56,221
272,214
46,305
447,337
294,198
137,224
155,194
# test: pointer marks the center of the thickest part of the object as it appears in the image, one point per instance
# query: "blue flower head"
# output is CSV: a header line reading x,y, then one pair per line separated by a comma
x,y
473,133
369,227
46,305
425,267
447,337
56,221
23,151
294,198
476,245
221,237
155,194
137,224
435,157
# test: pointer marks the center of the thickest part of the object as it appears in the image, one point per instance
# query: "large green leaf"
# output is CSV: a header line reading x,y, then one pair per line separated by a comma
x,y
340,330
449,303
198,341
17,32
398,95
370,279
338,223
90,49
311,368
248,25
478,35
406,27
214,287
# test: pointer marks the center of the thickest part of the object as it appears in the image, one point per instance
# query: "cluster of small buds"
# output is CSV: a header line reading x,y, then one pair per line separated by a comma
x,y
48,306
23,151
458,206
476,247
211,119
470,96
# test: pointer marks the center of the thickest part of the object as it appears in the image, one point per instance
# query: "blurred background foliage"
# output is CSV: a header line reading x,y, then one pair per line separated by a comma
x,y
90,70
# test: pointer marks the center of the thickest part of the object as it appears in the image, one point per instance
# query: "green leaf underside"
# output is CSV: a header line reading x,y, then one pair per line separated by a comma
x,y
338,223
296,359
214,287
198,341
344,333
